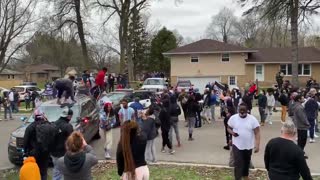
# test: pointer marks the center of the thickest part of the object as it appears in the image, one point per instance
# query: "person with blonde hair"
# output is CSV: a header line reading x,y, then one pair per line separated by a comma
x,y
131,162
78,160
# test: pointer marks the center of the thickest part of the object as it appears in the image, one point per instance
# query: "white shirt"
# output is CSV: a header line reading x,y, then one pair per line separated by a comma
x,y
11,96
245,128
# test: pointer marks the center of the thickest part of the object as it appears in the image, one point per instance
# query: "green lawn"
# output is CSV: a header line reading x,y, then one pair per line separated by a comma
x,y
108,171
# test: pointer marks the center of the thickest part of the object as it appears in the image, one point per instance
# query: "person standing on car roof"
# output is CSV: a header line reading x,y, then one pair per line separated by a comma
x,y
31,145
64,131
100,78
65,85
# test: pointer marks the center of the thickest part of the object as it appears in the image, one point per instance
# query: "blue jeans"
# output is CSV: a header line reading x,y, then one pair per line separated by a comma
x,y
6,111
56,174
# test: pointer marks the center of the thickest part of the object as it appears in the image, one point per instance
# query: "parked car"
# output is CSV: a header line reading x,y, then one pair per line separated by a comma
x,y
2,90
85,119
186,85
23,89
155,84
28,84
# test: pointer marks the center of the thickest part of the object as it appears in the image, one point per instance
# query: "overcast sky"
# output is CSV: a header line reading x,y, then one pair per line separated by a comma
x,y
191,17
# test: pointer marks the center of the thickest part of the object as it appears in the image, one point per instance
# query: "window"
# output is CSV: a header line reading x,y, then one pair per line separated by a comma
x,y
259,72
194,59
40,75
12,76
225,58
232,81
9,76
303,69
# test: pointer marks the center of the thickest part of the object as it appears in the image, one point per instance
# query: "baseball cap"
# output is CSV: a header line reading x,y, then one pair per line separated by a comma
x,y
66,112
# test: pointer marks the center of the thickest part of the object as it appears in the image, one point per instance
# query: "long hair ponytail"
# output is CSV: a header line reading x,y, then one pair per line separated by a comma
x,y
129,129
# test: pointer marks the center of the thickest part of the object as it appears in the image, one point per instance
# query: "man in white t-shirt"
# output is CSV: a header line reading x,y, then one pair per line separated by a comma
x,y
246,136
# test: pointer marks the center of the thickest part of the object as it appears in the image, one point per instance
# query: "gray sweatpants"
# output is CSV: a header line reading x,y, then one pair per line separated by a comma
x,y
175,128
150,152
191,123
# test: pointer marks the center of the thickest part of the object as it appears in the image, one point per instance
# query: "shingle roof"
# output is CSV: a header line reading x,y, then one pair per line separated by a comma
x,y
9,72
42,67
207,46
283,55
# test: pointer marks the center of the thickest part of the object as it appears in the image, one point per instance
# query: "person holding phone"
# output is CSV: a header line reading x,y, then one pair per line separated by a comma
x,y
245,130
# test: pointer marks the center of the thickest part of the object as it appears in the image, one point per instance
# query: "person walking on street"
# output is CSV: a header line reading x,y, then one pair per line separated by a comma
x,y
164,117
230,111
183,98
270,104
246,136
32,145
131,162
126,113
7,108
283,158
106,125
192,109
198,97
284,101
262,103
111,80
247,99
11,100
290,107
213,103
64,131
78,160
175,112
311,108
302,122
206,112
16,101
27,99
150,130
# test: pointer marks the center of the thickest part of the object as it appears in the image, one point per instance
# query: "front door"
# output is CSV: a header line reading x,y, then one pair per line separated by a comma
x,y
259,72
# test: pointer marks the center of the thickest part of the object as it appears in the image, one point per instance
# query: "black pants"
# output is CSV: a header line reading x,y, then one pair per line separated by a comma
x,y
27,104
111,87
228,135
198,120
242,160
42,160
184,108
165,138
262,113
302,138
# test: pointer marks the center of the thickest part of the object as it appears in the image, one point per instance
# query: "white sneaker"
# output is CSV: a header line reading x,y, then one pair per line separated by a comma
x,y
312,141
107,155
316,136
270,122
172,151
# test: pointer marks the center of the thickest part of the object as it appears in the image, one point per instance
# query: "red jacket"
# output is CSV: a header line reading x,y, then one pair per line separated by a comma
x,y
253,89
100,78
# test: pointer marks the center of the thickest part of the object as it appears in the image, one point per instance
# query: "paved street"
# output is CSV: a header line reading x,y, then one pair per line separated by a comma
x,y
206,149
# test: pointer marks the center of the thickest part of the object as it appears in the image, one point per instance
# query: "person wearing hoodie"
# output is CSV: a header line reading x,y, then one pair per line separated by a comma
x,y
164,117
65,85
30,169
150,130
131,162
175,111
78,160
290,107
262,103
192,110
270,104
301,120
284,101
311,108
65,129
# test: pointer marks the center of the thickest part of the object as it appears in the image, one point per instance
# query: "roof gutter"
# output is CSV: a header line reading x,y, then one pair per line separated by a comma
x,y
286,62
209,52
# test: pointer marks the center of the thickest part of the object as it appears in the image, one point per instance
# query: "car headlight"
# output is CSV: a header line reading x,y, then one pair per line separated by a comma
x,y
13,141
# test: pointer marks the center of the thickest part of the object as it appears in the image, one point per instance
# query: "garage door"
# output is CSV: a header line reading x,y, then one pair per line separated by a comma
x,y
200,82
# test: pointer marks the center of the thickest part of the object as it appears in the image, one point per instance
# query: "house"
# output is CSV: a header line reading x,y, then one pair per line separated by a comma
x,y
10,78
41,73
209,60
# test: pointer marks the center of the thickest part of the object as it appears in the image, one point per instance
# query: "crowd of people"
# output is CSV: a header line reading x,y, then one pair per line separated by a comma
x,y
73,157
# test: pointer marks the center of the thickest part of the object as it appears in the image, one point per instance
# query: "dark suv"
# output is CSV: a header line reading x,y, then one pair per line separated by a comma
x,y
85,119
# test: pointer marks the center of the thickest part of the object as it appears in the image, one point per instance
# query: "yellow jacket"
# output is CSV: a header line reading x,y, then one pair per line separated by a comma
x,y
30,170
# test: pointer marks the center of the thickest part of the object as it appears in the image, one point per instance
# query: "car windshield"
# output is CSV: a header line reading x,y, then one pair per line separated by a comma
x,y
116,97
19,89
184,84
53,113
153,82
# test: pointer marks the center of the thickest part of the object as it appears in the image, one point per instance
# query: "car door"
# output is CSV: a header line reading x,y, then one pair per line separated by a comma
x,y
90,116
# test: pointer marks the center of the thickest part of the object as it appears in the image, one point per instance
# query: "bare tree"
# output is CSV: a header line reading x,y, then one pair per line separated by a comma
x,y
16,17
221,25
69,13
247,30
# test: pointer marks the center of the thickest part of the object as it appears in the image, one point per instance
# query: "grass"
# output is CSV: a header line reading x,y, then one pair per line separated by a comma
x,y
161,172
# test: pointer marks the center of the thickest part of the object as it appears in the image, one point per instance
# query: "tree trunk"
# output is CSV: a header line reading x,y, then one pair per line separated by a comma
x,y
81,34
294,41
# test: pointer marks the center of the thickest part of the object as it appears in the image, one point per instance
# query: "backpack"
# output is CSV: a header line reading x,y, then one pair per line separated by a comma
x,y
46,133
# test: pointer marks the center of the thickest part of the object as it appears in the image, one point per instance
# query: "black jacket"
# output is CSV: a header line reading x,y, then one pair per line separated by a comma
x,y
30,145
149,128
65,129
192,108
262,100
164,117
248,101
284,100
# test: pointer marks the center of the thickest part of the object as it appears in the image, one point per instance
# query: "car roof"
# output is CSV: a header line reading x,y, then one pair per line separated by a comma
x,y
155,78
24,86
79,99
147,91
184,81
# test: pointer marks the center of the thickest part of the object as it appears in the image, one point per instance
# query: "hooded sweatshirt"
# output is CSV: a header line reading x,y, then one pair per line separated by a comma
x,y
30,170
78,166
300,117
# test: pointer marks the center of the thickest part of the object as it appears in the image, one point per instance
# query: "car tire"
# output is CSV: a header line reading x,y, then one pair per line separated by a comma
x,y
96,136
